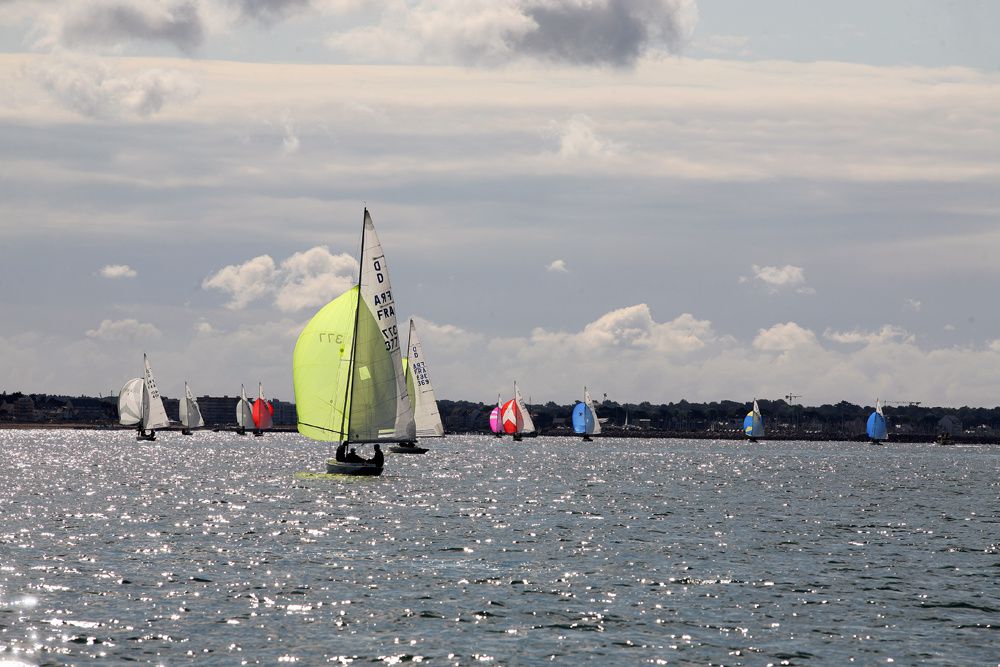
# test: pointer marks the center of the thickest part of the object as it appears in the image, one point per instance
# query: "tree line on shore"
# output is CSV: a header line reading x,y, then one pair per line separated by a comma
x,y
840,419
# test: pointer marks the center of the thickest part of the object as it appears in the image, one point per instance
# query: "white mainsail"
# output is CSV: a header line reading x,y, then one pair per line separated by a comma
x,y
589,402
421,392
153,414
130,402
190,413
244,413
376,291
528,425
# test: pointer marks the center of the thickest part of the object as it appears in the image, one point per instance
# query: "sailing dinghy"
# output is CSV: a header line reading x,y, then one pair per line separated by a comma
x,y
347,368
140,405
585,421
262,412
426,418
190,413
244,412
515,418
753,423
877,430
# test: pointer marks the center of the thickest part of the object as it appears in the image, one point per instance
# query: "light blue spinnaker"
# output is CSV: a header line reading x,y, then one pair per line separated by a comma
x,y
877,430
581,417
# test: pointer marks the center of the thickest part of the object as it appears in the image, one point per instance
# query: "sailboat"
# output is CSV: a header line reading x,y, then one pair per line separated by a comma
x,y
515,418
190,413
877,431
244,412
585,420
753,423
426,418
140,405
496,422
347,368
262,412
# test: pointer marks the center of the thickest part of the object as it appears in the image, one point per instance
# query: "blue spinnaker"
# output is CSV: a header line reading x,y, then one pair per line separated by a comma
x,y
876,427
753,428
580,414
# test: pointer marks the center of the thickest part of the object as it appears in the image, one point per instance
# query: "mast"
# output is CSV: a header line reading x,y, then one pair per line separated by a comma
x,y
349,395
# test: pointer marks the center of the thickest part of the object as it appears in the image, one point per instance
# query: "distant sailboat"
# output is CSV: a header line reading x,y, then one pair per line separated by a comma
x,y
515,418
753,423
426,417
348,371
140,405
244,412
496,421
262,412
877,431
190,413
585,420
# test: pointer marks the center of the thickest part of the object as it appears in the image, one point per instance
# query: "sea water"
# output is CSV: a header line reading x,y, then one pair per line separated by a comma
x,y
208,549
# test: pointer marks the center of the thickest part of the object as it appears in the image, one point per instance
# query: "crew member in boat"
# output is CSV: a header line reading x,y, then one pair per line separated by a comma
x,y
341,454
378,459
352,457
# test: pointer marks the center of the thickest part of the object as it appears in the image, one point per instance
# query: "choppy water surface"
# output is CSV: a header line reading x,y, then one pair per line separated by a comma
x,y
207,549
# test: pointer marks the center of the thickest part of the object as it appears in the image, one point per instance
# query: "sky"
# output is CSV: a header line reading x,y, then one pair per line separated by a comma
x,y
658,199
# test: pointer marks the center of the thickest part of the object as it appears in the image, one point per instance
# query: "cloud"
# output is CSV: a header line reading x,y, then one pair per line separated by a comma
x,y
269,12
913,304
777,278
557,266
244,282
123,331
118,271
104,24
784,337
492,32
888,333
90,88
578,140
604,32
305,279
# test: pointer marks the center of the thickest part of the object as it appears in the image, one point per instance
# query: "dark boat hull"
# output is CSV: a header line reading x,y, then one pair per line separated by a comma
x,y
334,467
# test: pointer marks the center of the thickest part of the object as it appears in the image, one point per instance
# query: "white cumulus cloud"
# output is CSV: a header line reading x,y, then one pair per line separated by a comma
x,y
123,331
778,278
309,278
557,266
118,271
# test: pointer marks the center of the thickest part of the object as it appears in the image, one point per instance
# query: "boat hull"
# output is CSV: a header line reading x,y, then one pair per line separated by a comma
x,y
334,467
407,449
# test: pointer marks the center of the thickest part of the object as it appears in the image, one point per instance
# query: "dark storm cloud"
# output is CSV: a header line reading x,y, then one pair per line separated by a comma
x,y
116,22
613,32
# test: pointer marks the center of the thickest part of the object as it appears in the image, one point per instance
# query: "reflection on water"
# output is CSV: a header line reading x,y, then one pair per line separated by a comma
x,y
493,552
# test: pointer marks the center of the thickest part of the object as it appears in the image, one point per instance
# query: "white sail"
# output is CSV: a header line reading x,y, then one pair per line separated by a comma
x,y
244,413
153,414
528,425
878,407
190,413
130,402
421,392
376,291
589,402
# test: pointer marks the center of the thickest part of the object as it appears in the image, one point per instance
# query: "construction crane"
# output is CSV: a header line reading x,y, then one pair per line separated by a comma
x,y
909,404
791,397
